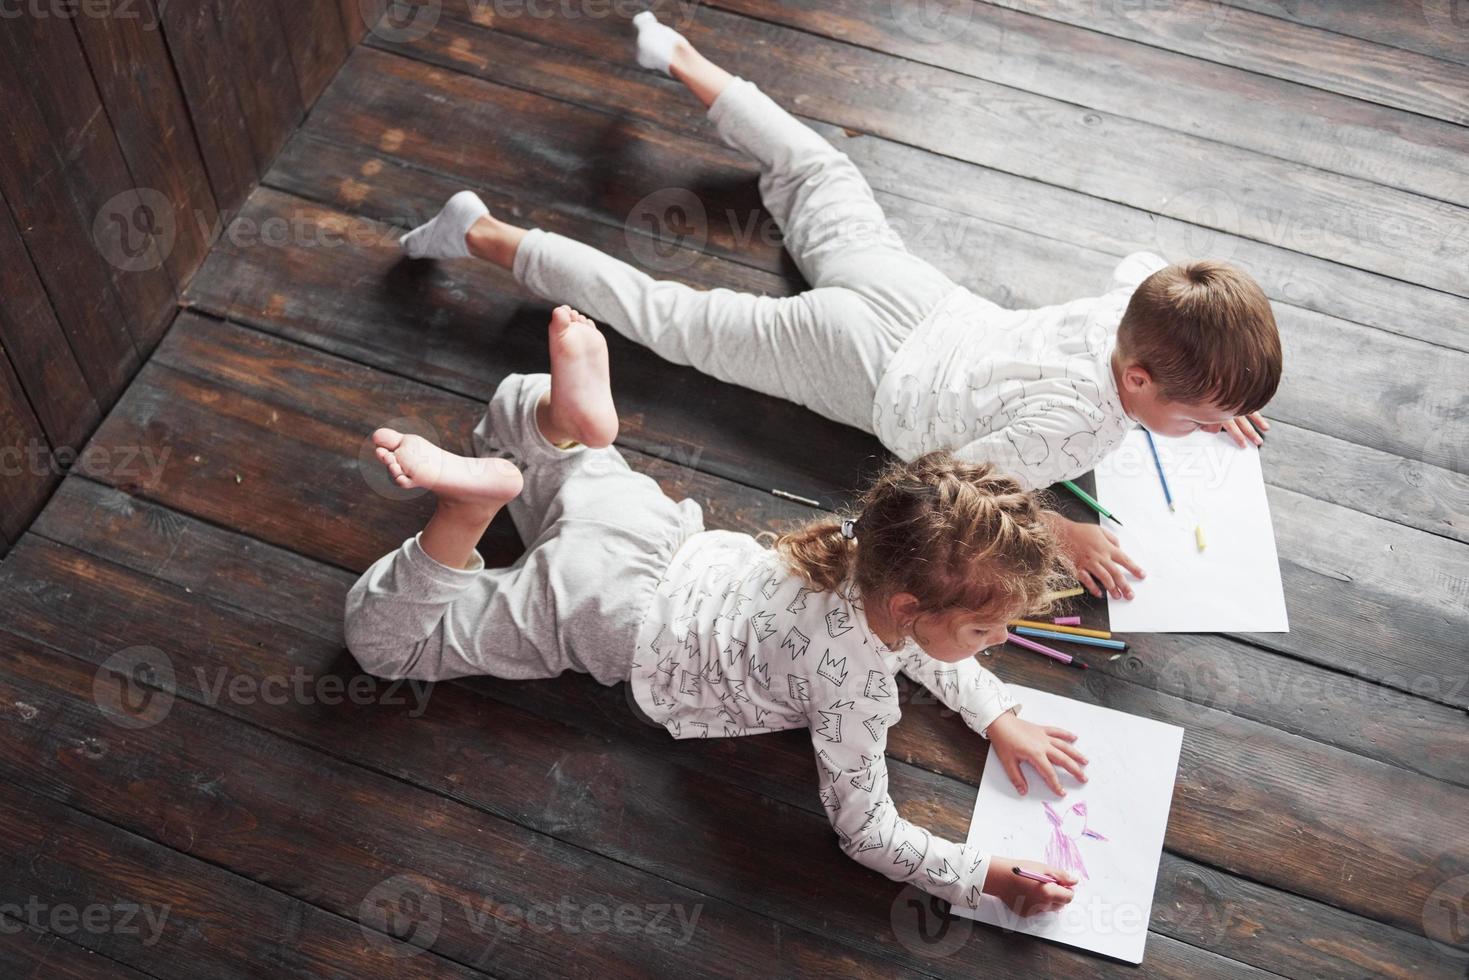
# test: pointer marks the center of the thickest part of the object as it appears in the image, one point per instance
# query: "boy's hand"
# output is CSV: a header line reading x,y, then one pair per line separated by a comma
x,y
1045,748
1025,896
1094,553
1243,429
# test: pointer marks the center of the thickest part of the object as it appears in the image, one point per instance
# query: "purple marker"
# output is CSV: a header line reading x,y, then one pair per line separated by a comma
x,y
1035,877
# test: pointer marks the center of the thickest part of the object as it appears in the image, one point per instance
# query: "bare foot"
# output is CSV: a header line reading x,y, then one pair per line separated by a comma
x,y
473,483
580,405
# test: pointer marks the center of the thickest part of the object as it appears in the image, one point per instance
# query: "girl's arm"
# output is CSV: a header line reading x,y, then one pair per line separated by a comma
x,y
849,737
966,687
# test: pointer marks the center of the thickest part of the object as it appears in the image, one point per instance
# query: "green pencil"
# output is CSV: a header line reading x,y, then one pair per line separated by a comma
x,y
1090,501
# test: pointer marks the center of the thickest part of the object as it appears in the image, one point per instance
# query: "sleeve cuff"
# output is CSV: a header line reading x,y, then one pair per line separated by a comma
x,y
990,713
432,570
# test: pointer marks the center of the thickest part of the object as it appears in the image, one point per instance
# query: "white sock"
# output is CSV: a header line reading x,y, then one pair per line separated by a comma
x,y
443,236
655,42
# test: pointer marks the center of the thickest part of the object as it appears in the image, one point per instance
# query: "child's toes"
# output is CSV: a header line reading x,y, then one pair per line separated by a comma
x,y
387,438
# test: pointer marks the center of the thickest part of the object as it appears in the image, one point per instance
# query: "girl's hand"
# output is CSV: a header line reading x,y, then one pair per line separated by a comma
x,y
1096,557
1025,896
1045,748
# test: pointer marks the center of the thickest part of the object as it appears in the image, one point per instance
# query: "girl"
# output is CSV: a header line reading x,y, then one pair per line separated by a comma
x,y
717,634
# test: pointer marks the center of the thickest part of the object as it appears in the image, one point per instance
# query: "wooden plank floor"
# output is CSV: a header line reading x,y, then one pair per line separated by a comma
x,y
198,782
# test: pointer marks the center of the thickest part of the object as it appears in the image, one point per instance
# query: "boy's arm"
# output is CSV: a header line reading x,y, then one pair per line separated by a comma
x,y
849,738
966,687
1040,447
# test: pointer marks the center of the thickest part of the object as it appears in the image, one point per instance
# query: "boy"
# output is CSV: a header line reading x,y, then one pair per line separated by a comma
x,y
887,343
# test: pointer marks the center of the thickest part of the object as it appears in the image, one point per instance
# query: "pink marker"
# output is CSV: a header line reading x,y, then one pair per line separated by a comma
x,y
1041,648
1035,877
1067,621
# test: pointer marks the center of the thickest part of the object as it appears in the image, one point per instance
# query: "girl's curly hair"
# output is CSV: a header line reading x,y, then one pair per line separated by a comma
x,y
958,536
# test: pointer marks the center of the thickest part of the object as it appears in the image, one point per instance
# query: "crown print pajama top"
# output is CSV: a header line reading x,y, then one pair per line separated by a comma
x,y
736,644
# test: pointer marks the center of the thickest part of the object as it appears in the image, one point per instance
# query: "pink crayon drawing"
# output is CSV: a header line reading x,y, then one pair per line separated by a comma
x,y
1061,850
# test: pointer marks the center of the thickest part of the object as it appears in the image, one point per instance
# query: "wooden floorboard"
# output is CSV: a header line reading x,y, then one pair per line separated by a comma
x,y
482,327
1022,265
255,397
1024,148
182,552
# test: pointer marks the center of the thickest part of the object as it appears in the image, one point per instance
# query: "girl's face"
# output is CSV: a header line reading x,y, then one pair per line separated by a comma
x,y
955,636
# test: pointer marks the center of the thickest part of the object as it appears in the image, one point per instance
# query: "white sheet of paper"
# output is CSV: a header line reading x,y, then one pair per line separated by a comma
x,y
1131,764
1233,585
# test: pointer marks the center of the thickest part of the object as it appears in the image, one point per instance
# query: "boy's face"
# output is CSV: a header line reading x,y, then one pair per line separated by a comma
x,y
1141,401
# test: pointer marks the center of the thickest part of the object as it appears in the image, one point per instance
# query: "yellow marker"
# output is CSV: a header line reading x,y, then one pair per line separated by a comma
x,y
1199,536
1053,628
1063,594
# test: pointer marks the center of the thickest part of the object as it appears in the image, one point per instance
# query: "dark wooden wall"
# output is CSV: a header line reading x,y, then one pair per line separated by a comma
x,y
132,132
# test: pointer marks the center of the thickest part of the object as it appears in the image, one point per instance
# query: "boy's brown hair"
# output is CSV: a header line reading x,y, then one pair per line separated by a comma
x,y
1205,332
957,536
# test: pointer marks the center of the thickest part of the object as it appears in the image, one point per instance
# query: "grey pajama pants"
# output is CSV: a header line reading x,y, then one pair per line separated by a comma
x,y
599,538
825,348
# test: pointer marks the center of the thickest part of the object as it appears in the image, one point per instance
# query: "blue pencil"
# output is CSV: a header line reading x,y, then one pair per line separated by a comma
x,y
1168,494
1090,641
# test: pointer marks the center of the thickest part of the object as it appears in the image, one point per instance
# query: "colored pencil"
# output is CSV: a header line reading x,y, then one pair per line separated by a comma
x,y
1090,501
1067,621
1090,641
1076,630
1040,648
785,495
1158,463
